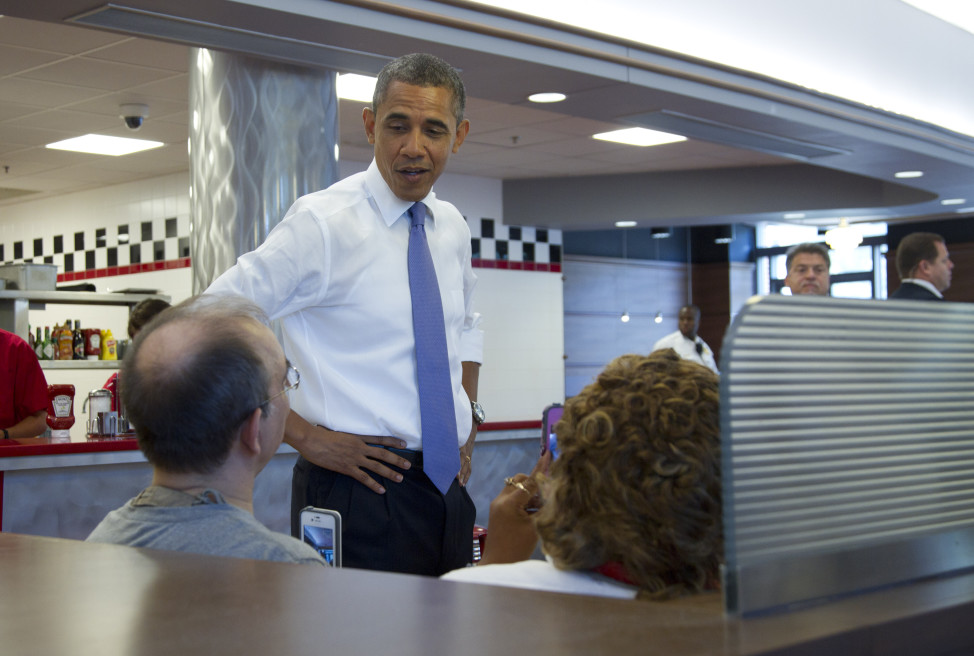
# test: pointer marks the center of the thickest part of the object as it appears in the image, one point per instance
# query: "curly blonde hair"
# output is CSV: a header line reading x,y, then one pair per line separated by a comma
x,y
638,478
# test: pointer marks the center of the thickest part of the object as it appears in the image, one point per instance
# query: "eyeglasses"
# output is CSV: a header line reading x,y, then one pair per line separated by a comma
x,y
292,378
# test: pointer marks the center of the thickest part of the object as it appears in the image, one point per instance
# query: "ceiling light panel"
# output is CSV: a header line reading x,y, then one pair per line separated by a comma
x,y
549,97
97,144
351,86
639,137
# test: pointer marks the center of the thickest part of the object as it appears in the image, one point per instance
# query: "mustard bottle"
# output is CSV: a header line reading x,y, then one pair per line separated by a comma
x,y
109,346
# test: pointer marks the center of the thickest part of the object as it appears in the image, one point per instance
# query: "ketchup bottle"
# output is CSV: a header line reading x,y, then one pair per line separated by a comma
x,y
60,411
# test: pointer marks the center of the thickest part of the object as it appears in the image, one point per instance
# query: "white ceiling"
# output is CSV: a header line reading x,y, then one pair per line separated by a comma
x,y
59,81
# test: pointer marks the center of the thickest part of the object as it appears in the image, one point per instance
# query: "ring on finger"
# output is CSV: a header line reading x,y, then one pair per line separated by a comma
x,y
518,484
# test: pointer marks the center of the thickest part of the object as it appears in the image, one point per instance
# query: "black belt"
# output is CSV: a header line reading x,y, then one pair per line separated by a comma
x,y
415,458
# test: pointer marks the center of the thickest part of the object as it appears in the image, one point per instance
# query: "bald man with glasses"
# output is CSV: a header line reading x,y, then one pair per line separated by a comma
x,y
205,386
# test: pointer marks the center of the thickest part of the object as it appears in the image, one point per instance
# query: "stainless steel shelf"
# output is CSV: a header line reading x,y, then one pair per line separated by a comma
x,y
77,298
80,364
16,303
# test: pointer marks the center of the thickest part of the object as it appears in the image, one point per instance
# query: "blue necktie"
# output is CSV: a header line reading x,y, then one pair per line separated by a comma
x,y
441,455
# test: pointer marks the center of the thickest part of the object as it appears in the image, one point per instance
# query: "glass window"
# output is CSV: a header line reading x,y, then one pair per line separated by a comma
x,y
853,289
851,261
770,235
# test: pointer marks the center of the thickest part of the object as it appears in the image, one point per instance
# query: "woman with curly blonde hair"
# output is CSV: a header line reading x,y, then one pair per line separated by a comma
x,y
632,507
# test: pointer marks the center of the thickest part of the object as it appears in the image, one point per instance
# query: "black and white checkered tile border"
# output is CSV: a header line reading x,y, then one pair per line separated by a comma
x,y
131,247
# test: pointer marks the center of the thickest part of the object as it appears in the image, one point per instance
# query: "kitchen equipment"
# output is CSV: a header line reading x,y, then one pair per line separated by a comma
x,y
102,421
36,277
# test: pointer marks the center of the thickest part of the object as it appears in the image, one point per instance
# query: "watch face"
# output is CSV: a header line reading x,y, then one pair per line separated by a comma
x,y
478,412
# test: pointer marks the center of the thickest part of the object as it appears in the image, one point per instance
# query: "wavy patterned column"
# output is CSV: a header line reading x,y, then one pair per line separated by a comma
x,y
261,135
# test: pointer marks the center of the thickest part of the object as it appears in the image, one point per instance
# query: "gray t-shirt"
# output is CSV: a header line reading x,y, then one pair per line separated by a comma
x,y
161,518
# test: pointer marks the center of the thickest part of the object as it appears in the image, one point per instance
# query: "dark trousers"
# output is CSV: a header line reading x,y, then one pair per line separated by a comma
x,y
412,528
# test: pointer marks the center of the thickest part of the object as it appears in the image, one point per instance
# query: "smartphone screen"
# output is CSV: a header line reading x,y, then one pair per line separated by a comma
x,y
549,441
322,530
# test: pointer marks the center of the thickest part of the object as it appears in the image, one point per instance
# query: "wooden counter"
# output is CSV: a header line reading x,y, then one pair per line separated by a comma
x,y
67,597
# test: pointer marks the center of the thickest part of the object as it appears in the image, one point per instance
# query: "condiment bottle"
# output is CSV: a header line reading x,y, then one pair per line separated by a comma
x,y
65,342
60,411
92,344
108,345
78,337
47,346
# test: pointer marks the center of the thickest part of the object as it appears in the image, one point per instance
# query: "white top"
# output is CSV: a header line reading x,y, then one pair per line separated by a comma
x,y
687,349
334,271
543,575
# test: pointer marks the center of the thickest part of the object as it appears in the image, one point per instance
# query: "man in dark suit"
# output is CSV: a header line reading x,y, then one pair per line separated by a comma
x,y
924,267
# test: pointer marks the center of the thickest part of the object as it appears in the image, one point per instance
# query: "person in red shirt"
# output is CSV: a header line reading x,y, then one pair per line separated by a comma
x,y
23,389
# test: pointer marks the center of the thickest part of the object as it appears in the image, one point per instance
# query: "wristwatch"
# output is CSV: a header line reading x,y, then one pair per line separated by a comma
x,y
479,416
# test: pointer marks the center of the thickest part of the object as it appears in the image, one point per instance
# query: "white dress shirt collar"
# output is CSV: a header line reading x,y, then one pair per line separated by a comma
x,y
926,284
390,206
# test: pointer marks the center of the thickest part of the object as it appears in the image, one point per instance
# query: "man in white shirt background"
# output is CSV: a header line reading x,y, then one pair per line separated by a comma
x,y
686,342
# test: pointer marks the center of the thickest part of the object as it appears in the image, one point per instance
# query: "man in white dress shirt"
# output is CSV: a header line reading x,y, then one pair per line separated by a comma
x,y
334,271
686,342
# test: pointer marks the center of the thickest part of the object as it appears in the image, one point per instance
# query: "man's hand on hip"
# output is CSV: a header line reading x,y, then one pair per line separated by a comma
x,y
345,453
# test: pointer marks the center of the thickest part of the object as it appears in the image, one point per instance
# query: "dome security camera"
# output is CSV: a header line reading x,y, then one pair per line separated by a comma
x,y
133,114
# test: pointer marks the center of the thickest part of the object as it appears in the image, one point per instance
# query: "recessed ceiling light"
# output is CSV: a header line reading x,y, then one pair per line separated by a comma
x,y
625,224
794,215
639,137
908,174
97,144
355,87
953,201
549,97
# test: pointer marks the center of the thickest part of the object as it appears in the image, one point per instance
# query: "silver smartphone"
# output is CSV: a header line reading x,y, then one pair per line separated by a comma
x,y
322,529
